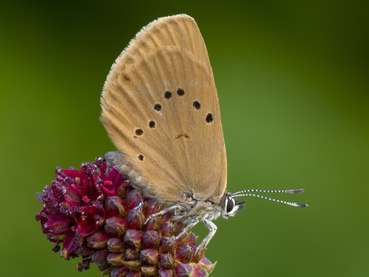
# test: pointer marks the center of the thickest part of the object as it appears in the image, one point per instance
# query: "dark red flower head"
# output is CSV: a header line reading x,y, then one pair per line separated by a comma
x,y
95,213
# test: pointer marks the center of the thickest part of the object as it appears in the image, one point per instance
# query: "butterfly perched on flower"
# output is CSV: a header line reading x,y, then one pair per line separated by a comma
x,y
160,108
131,212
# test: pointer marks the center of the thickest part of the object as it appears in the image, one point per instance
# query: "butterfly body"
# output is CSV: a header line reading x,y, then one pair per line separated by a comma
x,y
188,209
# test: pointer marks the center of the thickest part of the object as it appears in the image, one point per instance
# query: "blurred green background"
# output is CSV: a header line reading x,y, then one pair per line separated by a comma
x,y
293,82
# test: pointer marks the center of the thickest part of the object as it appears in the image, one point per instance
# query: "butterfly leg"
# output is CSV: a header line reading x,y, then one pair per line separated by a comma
x,y
188,228
212,230
164,211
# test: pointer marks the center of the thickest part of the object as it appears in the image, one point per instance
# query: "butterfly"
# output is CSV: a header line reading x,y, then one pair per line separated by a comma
x,y
161,110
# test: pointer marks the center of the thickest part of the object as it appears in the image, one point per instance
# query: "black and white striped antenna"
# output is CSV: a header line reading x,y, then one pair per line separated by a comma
x,y
256,194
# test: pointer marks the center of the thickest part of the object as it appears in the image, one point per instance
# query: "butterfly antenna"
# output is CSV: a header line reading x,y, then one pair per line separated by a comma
x,y
286,191
248,193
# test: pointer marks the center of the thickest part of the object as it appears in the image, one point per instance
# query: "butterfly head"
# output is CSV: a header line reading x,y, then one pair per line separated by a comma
x,y
231,206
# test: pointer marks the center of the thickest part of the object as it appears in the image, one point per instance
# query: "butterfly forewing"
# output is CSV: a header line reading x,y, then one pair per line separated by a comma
x,y
160,108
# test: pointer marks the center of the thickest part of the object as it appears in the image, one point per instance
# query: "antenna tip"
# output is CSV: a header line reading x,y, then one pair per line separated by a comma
x,y
294,191
301,205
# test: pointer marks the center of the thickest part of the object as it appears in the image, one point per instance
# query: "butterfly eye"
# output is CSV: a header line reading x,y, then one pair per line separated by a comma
x,y
230,205
141,157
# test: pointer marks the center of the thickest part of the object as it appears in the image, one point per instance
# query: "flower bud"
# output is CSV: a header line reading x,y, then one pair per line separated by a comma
x,y
114,205
207,264
119,272
166,273
148,270
199,271
154,223
149,256
167,244
151,239
134,199
57,224
97,240
190,239
99,258
85,251
184,270
115,259
115,226
71,244
131,254
167,228
115,245
167,260
151,207
133,265
133,273
135,218
190,270
184,253
133,238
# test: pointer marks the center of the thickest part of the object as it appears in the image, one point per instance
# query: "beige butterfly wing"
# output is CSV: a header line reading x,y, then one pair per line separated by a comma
x,y
160,108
